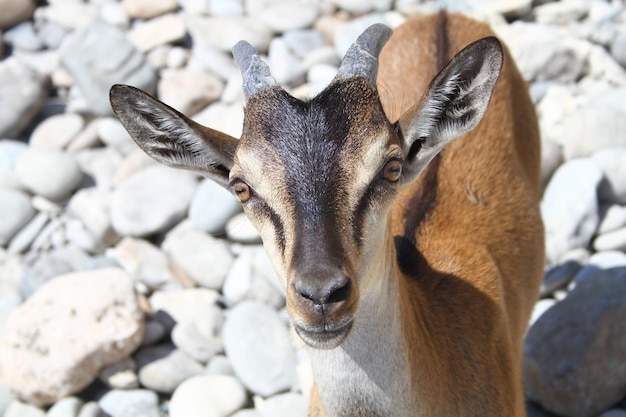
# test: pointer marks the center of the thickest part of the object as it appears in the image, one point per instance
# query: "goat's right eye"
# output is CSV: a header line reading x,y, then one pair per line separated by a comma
x,y
242,191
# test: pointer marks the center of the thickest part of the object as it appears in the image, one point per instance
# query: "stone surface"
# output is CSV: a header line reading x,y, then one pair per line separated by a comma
x,y
206,259
284,405
20,409
569,207
56,131
99,56
15,211
208,395
183,305
151,201
257,343
146,9
130,403
162,30
144,262
49,172
24,89
162,369
200,338
189,90
612,162
211,207
66,407
57,342
562,370
224,32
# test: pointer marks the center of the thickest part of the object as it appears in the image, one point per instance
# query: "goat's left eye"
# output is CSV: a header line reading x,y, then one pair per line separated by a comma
x,y
242,191
392,170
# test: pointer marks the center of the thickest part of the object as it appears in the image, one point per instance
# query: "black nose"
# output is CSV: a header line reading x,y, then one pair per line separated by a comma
x,y
323,288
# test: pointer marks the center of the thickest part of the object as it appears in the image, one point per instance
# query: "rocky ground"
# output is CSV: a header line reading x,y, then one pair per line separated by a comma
x,y
87,221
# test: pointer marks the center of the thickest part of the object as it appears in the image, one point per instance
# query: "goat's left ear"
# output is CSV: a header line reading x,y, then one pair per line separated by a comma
x,y
453,104
172,138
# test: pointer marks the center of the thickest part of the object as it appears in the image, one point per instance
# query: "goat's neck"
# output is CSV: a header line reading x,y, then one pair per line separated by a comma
x,y
367,375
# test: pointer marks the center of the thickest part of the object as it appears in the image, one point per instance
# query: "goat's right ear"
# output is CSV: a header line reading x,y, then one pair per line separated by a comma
x,y
171,138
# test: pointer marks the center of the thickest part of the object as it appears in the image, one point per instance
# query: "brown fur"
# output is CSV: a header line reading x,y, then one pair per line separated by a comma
x,y
478,260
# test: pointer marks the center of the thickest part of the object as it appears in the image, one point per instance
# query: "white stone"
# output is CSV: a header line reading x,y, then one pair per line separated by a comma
x,y
614,218
161,30
20,409
49,172
200,338
363,6
70,14
284,405
289,16
214,60
91,206
146,9
348,33
112,133
144,262
609,241
63,335
207,395
245,282
66,407
226,7
227,118
121,375
212,206
10,151
183,305
257,343
15,212
286,68
57,131
130,403
22,240
164,371
224,32
113,14
612,162
151,201
204,258
569,207
240,229
188,90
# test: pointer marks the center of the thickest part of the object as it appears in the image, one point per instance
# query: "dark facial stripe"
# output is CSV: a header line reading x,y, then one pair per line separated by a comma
x,y
279,227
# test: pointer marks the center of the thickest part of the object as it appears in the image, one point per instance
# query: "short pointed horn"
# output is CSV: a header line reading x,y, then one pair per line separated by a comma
x,y
256,74
362,57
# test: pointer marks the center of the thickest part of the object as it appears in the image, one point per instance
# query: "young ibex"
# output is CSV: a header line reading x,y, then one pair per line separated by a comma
x,y
410,270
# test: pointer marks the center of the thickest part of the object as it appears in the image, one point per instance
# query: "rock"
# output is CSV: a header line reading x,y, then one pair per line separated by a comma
x,y
183,305
20,409
244,282
161,30
25,237
224,32
540,308
10,151
147,9
284,405
256,342
100,164
575,354
597,124
302,42
144,262
121,375
212,206
99,56
612,162
551,159
286,68
614,218
240,229
166,369
348,33
226,8
69,15
91,409
112,133
286,16
217,62
189,90
24,89
207,395
56,342
23,37
66,407
9,302
362,6
561,13
247,413
132,163
14,12
130,403
91,206
56,132
151,201
219,365
114,15
204,258
542,53
200,338
558,277
227,118
618,47
570,218
52,34
15,212
49,172
609,241
153,332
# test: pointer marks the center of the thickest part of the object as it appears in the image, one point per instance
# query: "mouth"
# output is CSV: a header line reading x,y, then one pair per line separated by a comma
x,y
324,337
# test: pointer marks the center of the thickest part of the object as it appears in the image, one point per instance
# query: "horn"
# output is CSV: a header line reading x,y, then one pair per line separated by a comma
x,y
362,57
255,72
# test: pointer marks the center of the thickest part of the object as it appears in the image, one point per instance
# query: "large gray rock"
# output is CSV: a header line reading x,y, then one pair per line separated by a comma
x,y
257,343
22,95
570,207
99,56
151,201
575,354
57,342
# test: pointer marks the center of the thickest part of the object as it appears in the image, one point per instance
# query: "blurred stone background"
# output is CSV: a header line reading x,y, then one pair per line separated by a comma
x,y
128,289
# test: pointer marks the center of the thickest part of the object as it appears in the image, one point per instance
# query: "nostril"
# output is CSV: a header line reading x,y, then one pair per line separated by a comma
x,y
340,293
327,291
